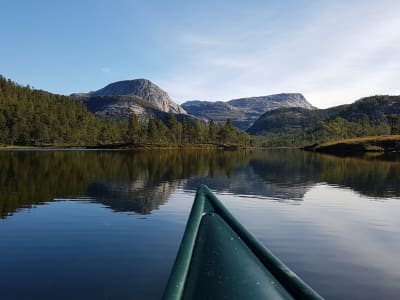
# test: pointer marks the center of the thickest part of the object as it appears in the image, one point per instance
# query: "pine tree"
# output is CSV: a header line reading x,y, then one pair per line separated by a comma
x,y
212,131
133,129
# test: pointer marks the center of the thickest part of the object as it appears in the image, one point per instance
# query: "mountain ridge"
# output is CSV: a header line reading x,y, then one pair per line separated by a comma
x,y
244,111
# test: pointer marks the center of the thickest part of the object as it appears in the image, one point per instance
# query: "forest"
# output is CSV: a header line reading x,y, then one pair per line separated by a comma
x,y
328,130
30,117
295,126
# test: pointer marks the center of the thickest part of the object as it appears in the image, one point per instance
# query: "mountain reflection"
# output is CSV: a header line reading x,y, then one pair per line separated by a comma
x,y
247,182
137,196
142,181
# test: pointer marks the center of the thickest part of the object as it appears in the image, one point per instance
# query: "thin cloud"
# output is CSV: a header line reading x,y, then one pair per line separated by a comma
x,y
198,40
105,70
336,55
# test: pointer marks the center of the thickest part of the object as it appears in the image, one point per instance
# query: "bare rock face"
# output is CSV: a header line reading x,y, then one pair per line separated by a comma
x,y
118,107
144,89
217,111
265,103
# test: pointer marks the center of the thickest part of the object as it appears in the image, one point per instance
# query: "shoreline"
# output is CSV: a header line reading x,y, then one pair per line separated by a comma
x,y
142,146
384,143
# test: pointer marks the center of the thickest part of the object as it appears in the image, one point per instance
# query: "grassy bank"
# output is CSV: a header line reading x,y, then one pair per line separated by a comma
x,y
383,143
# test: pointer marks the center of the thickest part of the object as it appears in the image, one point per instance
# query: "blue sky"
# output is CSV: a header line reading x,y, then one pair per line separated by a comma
x,y
333,52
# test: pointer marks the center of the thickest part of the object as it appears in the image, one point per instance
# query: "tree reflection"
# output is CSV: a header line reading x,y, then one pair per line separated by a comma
x,y
122,180
142,181
373,176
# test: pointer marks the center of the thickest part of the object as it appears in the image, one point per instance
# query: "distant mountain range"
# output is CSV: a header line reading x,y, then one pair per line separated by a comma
x,y
276,114
144,98
244,111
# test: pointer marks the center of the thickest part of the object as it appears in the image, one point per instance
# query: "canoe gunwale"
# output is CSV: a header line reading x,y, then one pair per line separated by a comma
x,y
177,279
206,202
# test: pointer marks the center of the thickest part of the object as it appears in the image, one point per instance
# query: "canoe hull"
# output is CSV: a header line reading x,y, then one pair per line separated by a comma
x,y
219,259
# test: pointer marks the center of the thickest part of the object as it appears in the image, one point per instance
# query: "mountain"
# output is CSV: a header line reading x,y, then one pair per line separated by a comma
x,y
373,111
120,99
121,107
244,111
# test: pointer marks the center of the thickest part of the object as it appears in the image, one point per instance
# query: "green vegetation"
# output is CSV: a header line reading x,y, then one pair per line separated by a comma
x,y
188,132
364,144
31,117
36,118
372,116
329,130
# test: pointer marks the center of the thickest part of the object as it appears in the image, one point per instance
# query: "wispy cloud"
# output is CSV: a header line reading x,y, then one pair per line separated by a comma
x,y
105,70
198,40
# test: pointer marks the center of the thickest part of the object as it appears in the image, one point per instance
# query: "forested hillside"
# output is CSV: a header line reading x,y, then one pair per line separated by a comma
x,y
376,115
38,118
33,117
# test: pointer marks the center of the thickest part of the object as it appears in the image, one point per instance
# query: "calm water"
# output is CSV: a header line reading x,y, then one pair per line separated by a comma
x,y
107,225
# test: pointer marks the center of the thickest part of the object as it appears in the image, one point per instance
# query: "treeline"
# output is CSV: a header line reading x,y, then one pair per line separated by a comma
x,y
188,131
336,129
38,118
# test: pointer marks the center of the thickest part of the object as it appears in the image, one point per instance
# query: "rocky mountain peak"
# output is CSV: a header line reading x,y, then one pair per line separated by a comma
x,y
144,89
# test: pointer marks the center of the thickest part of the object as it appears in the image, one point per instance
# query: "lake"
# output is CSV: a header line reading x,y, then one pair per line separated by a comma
x,y
108,224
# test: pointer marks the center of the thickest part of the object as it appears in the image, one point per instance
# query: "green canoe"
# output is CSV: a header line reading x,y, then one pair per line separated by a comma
x,y
219,259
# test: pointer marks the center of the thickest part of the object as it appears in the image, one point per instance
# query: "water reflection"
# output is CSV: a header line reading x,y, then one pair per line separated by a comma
x,y
135,196
142,181
373,176
248,182
124,181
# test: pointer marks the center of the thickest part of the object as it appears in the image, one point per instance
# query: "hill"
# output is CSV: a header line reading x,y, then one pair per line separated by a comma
x,y
368,116
35,117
